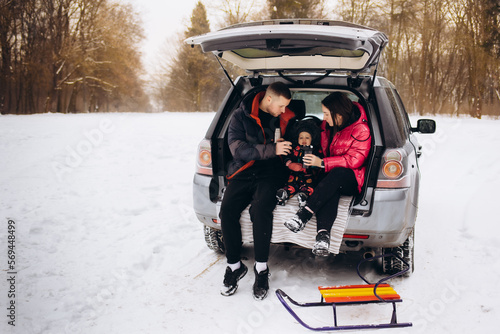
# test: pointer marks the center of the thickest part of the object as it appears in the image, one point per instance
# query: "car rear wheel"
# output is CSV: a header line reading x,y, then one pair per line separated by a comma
x,y
392,265
213,238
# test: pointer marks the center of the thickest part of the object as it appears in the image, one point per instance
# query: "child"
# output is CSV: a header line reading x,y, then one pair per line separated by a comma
x,y
301,180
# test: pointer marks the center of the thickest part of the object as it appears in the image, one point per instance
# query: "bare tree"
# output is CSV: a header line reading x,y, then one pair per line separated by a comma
x,y
441,53
359,11
234,11
290,9
69,55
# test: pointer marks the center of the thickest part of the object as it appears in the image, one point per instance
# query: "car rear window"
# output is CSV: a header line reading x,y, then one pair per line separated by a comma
x,y
313,98
392,116
398,111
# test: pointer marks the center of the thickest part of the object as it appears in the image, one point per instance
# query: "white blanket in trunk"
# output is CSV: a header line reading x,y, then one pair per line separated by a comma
x,y
305,238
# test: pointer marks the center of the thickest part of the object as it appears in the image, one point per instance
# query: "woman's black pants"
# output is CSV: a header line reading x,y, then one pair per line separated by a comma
x,y
324,201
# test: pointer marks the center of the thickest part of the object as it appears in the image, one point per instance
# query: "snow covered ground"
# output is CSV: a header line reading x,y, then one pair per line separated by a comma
x,y
106,240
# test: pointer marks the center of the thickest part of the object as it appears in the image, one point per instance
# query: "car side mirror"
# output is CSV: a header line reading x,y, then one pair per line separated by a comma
x,y
425,126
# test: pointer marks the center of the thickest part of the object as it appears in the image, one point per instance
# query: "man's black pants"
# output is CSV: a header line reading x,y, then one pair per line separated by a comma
x,y
261,194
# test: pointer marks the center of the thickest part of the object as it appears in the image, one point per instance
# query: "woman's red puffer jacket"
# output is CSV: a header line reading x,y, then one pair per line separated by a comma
x,y
349,147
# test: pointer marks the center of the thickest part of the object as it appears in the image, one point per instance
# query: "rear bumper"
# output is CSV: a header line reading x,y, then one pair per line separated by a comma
x,y
390,222
204,208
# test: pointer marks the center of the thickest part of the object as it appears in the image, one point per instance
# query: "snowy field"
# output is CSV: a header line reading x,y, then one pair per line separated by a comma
x,y
106,240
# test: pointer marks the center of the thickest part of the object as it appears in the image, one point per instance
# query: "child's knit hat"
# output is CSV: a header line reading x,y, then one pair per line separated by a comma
x,y
310,126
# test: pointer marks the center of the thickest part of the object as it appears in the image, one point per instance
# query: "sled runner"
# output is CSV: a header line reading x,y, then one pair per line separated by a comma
x,y
368,293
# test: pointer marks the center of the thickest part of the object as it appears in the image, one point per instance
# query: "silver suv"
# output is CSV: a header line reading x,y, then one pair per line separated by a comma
x,y
315,58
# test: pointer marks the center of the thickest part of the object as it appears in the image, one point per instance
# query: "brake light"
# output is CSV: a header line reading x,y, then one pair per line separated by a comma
x,y
204,160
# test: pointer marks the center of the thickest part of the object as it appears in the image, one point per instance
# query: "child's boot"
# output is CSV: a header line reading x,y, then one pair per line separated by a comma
x,y
281,196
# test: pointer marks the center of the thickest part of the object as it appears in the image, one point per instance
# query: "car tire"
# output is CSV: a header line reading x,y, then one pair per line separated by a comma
x,y
213,238
392,265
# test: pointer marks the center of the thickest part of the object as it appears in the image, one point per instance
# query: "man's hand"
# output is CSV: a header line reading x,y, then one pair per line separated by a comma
x,y
283,147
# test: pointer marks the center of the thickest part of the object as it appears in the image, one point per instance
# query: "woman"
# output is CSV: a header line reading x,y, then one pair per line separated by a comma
x,y
346,142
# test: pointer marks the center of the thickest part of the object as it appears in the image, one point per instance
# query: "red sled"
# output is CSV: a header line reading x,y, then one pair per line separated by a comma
x,y
368,293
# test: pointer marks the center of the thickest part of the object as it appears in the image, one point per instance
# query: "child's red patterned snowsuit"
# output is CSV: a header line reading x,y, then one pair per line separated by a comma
x,y
304,180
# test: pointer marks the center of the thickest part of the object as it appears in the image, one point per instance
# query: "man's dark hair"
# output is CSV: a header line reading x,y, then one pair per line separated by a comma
x,y
280,89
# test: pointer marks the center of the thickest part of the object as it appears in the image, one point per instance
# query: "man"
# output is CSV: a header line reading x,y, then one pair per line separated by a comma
x,y
255,174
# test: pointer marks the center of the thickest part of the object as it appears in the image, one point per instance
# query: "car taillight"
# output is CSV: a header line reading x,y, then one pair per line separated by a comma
x,y
204,161
393,171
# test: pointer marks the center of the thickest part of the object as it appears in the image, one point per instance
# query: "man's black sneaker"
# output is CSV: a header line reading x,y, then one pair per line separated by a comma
x,y
261,285
231,279
299,221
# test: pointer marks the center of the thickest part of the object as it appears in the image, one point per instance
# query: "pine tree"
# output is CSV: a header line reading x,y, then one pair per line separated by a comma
x,y
193,80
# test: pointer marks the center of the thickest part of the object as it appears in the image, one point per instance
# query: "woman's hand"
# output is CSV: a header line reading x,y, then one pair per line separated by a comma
x,y
311,160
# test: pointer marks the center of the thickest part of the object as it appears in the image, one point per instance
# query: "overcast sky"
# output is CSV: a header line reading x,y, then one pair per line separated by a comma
x,y
162,20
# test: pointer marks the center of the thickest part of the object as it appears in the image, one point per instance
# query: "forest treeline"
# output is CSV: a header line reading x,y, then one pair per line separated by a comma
x,y
443,55
70,56
83,55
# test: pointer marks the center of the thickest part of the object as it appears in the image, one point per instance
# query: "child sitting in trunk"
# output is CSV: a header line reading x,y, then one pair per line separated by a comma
x,y
301,180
